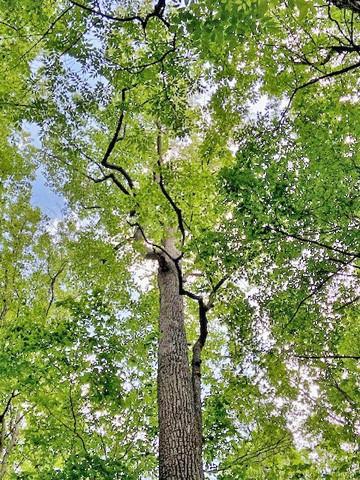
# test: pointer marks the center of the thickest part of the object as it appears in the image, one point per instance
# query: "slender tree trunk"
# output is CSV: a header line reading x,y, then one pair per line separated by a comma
x,y
179,435
196,371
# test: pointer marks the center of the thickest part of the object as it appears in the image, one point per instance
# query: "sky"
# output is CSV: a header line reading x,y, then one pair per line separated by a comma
x,y
50,203
43,197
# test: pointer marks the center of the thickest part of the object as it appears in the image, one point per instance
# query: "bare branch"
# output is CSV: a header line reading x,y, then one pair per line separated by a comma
x,y
198,347
338,260
337,24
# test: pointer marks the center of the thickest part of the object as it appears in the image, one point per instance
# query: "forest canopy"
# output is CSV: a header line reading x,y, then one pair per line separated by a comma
x,y
193,311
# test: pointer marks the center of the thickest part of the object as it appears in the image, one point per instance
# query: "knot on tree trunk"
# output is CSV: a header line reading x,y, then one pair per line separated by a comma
x,y
164,265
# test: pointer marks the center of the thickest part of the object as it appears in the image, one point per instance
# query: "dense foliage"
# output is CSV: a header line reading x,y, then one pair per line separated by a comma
x,y
234,124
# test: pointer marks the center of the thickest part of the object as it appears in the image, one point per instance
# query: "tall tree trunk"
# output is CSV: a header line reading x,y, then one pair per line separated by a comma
x,y
179,435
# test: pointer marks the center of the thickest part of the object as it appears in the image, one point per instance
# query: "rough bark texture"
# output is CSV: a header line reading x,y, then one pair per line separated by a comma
x,y
353,5
179,436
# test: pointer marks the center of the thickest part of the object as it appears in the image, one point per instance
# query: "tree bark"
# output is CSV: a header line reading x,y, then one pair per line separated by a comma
x,y
179,435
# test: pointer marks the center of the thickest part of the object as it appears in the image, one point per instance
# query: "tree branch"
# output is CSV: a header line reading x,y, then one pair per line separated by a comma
x,y
8,404
52,285
110,176
136,69
197,351
160,181
51,26
108,16
254,454
327,357
157,12
332,74
313,242
353,5
347,304
116,137
315,290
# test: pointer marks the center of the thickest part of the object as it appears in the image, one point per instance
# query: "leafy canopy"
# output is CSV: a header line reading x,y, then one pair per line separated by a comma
x,y
246,114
